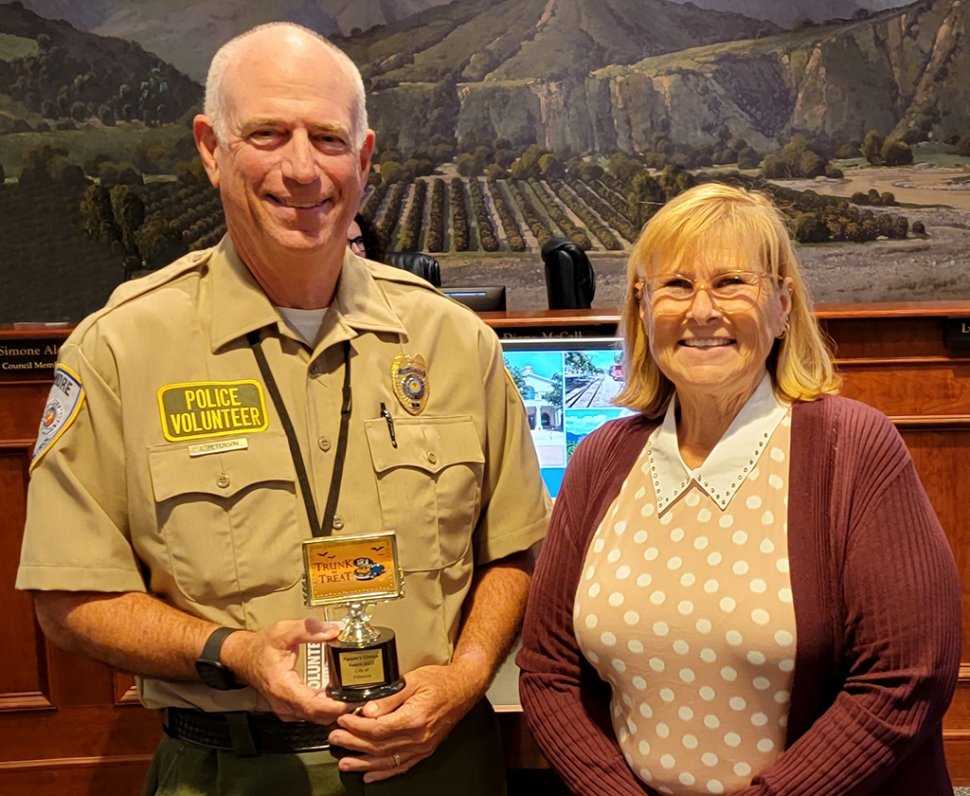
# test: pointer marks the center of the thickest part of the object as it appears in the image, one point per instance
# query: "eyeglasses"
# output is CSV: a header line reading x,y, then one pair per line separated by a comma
x,y
358,241
730,292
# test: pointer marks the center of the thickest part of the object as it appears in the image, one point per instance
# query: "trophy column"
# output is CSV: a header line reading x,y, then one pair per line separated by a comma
x,y
362,661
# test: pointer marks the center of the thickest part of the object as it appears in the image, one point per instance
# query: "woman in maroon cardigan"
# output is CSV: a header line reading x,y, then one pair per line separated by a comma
x,y
744,588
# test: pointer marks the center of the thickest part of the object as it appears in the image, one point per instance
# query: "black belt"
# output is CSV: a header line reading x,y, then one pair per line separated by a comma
x,y
245,734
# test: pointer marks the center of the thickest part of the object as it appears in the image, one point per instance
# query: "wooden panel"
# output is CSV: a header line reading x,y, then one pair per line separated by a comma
x,y
124,689
93,731
942,459
23,677
91,776
521,749
910,389
886,338
20,411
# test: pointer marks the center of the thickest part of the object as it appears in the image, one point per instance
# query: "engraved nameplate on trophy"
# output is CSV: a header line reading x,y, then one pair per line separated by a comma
x,y
354,571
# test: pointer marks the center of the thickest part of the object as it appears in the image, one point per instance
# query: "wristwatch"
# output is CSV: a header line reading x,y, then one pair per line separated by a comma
x,y
211,670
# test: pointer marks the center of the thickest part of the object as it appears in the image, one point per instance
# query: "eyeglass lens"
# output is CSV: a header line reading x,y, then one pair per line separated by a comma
x,y
733,291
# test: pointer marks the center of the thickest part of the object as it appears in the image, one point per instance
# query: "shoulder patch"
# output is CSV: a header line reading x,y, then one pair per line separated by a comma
x,y
63,405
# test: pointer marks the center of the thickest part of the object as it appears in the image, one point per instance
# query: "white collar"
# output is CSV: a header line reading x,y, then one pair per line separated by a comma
x,y
734,456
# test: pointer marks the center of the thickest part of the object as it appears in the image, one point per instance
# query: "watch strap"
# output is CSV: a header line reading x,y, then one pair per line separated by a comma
x,y
213,644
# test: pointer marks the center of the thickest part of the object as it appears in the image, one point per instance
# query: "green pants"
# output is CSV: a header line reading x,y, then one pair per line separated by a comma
x,y
468,762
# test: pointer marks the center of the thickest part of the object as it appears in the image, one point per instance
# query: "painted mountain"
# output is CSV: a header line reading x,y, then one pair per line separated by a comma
x,y
186,33
602,75
607,76
49,70
788,14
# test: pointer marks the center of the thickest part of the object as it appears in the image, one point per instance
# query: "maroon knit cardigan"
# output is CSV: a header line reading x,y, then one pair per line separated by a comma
x,y
877,612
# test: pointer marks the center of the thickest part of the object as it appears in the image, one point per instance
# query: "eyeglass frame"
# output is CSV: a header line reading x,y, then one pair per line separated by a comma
x,y
358,241
704,284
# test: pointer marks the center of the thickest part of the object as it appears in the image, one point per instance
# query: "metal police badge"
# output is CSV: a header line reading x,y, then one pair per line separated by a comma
x,y
409,375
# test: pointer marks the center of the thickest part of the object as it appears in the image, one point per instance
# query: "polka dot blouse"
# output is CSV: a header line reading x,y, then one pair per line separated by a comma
x,y
687,613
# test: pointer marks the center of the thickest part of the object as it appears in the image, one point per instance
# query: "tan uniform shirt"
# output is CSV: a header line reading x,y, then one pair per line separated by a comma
x,y
117,503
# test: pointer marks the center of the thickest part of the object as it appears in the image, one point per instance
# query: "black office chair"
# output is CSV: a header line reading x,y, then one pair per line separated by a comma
x,y
570,281
419,264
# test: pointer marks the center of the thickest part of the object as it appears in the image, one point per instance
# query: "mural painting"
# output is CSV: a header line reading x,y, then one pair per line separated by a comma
x,y
500,124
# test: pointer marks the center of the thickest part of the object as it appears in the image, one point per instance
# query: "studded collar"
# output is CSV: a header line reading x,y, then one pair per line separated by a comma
x,y
733,458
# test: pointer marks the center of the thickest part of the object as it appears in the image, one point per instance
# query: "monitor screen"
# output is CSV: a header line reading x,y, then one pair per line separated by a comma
x,y
567,385
480,299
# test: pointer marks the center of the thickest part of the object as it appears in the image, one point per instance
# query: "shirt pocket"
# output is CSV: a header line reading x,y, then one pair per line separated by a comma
x,y
228,520
429,486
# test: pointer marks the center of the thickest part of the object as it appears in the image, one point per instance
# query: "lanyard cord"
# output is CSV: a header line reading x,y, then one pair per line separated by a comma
x,y
341,455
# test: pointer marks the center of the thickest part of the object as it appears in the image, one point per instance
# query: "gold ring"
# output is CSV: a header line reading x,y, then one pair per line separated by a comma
x,y
397,759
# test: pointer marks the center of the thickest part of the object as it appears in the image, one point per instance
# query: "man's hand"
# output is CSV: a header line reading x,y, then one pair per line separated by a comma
x,y
399,731
267,661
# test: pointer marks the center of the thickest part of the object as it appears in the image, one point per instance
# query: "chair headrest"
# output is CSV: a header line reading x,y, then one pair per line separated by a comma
x,y
418,263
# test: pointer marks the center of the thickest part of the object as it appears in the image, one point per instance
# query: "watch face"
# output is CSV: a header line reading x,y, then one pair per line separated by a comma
x,y
215,675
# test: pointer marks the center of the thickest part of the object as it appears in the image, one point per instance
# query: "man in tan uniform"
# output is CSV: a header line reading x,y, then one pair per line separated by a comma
x,y
166,515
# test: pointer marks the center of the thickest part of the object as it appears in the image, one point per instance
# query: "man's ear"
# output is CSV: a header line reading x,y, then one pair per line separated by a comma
x,y
206,142
366,150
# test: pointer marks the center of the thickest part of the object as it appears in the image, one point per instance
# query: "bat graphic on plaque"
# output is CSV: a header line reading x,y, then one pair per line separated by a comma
x,y
355,571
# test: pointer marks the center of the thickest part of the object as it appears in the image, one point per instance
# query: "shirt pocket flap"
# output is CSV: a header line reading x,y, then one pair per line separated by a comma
x,y
430,444
225,474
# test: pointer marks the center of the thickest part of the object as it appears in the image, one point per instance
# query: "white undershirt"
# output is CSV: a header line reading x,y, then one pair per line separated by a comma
x,y
305,323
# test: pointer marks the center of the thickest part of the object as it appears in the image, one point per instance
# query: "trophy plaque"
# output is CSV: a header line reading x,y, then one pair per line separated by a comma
x,y
354,571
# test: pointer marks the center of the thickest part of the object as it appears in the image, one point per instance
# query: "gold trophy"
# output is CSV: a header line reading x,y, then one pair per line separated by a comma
x,y
355,571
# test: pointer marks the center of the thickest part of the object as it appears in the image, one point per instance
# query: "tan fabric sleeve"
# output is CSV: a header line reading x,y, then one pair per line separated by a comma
x,y
515,502
76,536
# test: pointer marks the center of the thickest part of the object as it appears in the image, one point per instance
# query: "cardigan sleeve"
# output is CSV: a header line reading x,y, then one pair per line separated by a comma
x,y
901,639
566,704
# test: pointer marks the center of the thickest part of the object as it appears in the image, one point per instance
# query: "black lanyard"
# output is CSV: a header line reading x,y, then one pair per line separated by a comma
x,y
341,454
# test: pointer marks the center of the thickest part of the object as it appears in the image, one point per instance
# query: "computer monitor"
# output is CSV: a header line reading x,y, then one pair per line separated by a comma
x,y
480,299
567,386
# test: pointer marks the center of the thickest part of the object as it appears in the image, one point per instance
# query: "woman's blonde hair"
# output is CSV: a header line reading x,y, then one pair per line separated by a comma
x,y
711,215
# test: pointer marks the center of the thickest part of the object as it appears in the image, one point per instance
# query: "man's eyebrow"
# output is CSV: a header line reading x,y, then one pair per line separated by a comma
x,y
330,127
255,124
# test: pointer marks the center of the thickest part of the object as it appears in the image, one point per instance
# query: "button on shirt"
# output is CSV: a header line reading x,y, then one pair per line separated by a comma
x,y
114,505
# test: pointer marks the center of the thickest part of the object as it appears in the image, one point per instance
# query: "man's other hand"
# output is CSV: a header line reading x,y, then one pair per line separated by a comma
x,y
393,734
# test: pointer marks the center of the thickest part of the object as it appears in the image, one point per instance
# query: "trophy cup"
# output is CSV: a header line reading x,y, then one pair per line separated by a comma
x,y
354,571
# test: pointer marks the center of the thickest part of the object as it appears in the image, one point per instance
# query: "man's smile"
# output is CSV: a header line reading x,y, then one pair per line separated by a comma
x,y
294,203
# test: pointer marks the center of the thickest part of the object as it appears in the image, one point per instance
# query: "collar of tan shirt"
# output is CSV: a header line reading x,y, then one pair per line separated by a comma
x,y
239,305
733,458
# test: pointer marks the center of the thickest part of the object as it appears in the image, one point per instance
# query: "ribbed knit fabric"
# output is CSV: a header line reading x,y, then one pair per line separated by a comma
x,y
877,610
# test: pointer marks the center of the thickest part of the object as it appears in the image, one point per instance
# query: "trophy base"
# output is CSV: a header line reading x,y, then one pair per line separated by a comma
x,y
361,672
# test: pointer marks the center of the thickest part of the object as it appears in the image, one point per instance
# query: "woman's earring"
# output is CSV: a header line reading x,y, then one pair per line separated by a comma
x,y
784,332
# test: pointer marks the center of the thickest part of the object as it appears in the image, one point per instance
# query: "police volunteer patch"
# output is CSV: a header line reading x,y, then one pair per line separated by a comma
x,y
211,409
63,404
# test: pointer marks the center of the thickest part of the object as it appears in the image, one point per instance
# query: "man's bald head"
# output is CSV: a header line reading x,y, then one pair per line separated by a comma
x,y
275,37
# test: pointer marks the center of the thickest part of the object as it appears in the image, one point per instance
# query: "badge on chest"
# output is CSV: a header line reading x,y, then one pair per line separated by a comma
x,y
409,377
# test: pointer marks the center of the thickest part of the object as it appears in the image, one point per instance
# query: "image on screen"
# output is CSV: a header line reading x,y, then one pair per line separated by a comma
x,y
567,386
